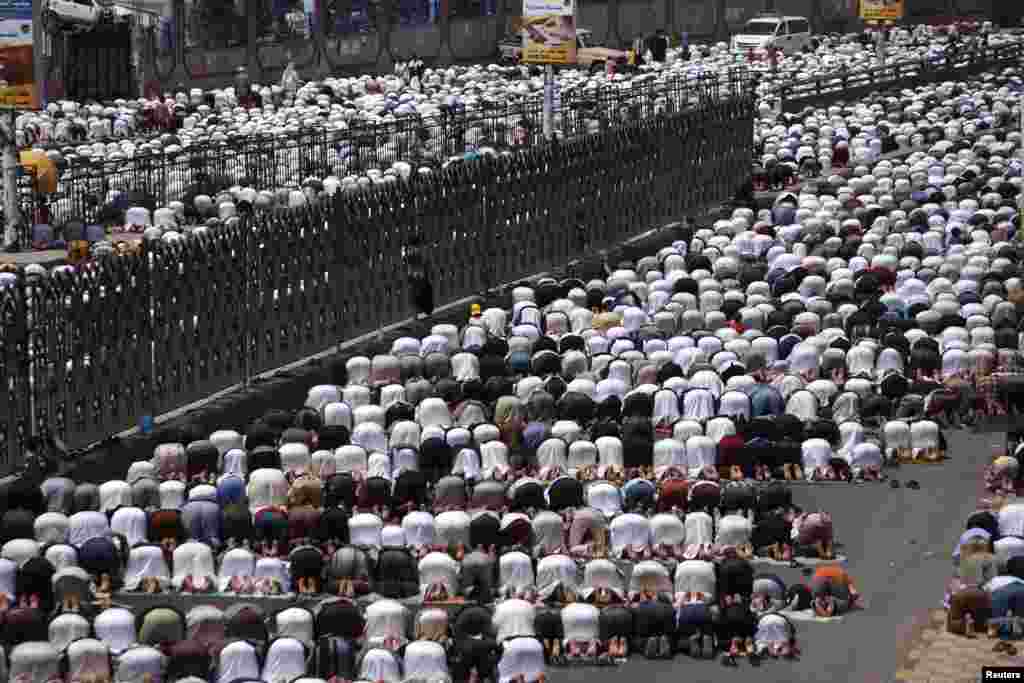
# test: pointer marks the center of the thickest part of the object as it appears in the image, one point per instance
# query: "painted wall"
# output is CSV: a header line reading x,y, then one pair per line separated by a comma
x,y
351,45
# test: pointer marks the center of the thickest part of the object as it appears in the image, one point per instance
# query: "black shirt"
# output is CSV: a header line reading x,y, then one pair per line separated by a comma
x,y
659,46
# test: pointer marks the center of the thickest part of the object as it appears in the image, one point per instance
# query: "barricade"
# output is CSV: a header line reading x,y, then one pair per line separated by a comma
x,y
274,161
88,353
851,85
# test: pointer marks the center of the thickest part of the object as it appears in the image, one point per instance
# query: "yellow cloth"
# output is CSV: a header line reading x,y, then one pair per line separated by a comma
x,y
605,321
78,251
45,171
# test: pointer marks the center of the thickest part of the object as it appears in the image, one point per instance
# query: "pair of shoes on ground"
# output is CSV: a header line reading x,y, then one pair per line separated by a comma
x,y
659,648
699,646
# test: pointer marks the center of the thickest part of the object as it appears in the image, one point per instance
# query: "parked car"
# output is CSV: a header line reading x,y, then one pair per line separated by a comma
x,y
510,51
80,15
788,34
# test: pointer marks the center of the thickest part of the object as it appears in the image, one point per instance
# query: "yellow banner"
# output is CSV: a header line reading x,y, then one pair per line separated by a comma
x,y
17,77
881,10
19,96
549,31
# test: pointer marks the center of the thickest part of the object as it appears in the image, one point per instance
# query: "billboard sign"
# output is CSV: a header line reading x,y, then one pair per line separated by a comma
x,y
881,10
549,31
17,78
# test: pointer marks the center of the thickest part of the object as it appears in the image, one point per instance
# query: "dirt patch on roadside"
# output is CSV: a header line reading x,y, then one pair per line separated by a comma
x,y
932,655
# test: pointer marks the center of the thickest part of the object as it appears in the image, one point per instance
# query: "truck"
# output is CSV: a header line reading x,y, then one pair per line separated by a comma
x,y
588,55
78,16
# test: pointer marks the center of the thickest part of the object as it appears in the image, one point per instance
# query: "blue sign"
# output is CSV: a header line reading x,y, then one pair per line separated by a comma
x,y
16,9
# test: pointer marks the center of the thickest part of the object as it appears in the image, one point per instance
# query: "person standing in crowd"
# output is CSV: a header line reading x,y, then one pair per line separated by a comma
x,y
686,54
290,81
639,48
247,99
297,22
414,69
659,46
420,287
279,11
953,44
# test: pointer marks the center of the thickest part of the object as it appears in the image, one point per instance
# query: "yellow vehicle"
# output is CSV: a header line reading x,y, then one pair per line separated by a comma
x,y
588,55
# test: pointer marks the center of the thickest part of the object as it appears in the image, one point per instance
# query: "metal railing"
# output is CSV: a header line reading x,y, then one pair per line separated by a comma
x,y
273,162
87,353
278,161
850,84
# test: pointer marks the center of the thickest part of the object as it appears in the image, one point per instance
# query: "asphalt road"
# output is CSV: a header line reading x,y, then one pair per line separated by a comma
x,y
898,543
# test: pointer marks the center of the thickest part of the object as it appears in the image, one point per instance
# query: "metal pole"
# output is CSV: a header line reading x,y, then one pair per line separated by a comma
x,y
549,102
42,49
12,207
880,47
139,54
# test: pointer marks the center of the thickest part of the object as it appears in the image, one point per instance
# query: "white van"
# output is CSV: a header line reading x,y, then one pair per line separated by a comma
x,y
80,15
789,34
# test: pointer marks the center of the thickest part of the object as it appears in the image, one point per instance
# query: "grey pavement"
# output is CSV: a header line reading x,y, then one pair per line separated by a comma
x,y
898,543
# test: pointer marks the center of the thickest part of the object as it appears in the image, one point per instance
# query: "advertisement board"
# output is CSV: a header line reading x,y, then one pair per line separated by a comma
x,y
881,10
17,80
549,31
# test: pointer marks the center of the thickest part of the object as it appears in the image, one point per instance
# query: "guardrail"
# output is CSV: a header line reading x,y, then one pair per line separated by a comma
x,y
272,162
849,85
88,353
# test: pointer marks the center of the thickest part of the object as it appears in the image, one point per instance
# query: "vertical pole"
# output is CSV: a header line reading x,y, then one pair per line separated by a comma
x,y
253,31
880,45
549,102
33,362
139,54
12,207
41,49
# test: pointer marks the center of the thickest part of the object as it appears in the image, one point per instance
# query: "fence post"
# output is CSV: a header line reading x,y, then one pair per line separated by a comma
x,y
149,398
12,204
247,246
253,30
14,360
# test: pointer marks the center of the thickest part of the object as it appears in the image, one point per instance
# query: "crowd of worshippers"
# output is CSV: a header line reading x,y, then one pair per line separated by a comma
x,y
72,134
900,155
548,561
649,416
1003,477
415,89
386,642
835,141
419,90
986,593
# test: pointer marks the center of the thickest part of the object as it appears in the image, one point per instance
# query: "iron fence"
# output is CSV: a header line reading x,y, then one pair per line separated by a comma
x,y
29,203
850,84
280,161
85,354
275,161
